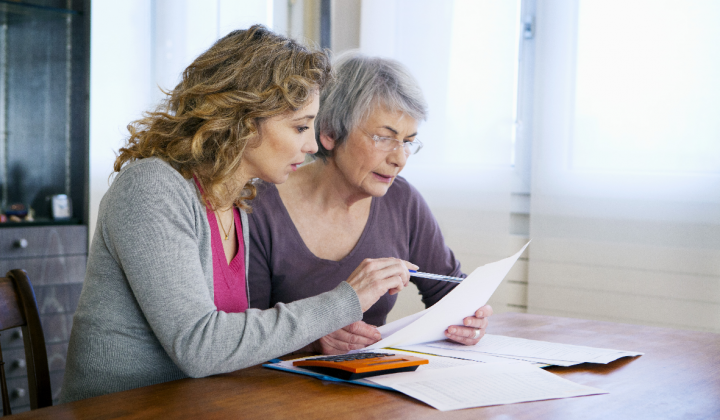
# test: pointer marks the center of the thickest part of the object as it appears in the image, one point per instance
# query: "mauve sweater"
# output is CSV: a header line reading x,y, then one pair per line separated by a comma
x,y
146,312
400,225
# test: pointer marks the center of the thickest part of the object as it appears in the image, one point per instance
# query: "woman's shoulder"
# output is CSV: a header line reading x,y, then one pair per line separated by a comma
x,y
403,191
266,194
149,169
151,177
267,207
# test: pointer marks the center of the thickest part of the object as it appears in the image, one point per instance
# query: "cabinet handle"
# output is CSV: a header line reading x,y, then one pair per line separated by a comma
x,y
18,393
21,243
19,363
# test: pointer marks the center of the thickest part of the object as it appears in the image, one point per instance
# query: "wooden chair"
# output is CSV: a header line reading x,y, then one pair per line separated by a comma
x,y
18,308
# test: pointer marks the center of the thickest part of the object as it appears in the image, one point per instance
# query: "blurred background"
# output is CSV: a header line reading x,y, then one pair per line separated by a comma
x,y
591,127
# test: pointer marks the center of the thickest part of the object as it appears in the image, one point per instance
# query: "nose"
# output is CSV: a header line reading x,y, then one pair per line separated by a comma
x,y
310,145
398,157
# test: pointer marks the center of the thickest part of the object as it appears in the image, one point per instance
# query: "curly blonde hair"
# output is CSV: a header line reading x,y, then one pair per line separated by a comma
x,y
204,125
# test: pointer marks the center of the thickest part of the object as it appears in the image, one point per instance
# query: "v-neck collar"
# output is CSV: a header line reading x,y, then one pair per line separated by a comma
x,y
299,239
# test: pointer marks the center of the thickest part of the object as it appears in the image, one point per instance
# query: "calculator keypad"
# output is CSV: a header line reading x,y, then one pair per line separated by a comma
x,y
349,357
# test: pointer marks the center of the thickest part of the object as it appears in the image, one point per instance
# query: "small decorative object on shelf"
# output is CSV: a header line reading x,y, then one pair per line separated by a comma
x,y
61,207
17,213
18,209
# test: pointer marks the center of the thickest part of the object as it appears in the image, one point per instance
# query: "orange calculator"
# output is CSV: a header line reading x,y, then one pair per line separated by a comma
x,y
361,365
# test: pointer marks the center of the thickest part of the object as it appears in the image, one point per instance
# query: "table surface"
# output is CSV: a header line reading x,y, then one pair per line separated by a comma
x,y
677,377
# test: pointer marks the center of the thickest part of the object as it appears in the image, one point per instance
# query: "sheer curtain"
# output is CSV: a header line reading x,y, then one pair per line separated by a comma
x,y
625,212
464,55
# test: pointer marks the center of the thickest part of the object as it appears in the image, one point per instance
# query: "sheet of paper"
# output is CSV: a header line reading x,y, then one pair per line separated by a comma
x,y
463,301
535,350
482,385
398,324
475,356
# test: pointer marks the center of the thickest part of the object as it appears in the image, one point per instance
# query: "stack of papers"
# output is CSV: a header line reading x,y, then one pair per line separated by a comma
x,y
499,370
448,383
482,385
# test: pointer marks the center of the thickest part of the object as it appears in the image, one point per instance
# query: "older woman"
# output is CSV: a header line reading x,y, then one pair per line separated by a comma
x,y
350,204
165,293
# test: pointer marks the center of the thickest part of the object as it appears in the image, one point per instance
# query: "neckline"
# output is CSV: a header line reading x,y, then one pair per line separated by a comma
x,y
216,237
215,233
299,239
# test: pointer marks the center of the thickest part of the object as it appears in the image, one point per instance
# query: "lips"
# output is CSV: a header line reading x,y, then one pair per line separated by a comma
x,y
384,178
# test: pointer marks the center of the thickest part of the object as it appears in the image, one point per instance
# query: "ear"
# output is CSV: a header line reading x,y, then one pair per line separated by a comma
x,y
327,141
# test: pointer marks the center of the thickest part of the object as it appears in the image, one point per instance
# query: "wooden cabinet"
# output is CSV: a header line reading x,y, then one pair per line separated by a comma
x,y
55,259
44,95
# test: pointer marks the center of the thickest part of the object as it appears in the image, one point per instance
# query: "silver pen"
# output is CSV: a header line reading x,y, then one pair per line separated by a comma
x,y
414,273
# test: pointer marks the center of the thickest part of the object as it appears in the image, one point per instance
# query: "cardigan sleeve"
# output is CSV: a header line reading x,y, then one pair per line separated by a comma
x,y
152,229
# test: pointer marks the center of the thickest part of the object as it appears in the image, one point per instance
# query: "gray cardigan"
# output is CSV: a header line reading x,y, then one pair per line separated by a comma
x,y
146,312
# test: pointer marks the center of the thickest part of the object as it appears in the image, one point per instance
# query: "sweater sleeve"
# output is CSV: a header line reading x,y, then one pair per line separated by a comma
x,y
152,230
428,250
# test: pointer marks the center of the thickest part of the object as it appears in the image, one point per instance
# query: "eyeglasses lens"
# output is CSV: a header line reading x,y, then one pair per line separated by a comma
x,y
388,144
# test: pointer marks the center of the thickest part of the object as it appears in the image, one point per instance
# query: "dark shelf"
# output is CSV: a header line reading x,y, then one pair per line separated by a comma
x,y
20,7
41,222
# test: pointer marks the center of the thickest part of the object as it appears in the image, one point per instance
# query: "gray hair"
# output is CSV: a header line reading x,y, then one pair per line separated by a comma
x,y
360,84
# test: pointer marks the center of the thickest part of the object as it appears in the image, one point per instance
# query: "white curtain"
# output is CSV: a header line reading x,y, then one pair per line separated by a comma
x,y
625,214
464,55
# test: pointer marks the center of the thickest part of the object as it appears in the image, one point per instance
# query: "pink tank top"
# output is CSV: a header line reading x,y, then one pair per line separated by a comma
x,y
228,279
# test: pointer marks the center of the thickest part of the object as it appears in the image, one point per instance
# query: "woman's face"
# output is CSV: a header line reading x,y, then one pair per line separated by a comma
x,y
365,167
284,141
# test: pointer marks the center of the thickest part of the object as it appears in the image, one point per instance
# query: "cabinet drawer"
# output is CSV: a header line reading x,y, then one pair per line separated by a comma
x,y
49,270
56,329
16,362
42,241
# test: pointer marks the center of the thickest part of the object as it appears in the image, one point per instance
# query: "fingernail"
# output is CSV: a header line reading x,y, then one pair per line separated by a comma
x,y
466,322
451,330
480,314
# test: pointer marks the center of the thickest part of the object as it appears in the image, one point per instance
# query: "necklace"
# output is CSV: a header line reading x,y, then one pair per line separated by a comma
x,y
227,234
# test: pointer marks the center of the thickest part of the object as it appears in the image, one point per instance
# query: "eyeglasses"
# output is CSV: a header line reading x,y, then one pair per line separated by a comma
x,y
388,144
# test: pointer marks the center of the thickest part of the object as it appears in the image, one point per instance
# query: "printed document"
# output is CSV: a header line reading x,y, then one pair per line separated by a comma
x,y
482,384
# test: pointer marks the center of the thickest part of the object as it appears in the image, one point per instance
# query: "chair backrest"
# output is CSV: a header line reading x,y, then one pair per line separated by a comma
x,y
18,308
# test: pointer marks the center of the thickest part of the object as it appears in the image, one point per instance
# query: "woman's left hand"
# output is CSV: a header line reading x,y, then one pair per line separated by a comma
x,y
473,329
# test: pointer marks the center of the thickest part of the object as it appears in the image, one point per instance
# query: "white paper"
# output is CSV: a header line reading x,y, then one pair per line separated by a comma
x,y
475,356
533,350
482,385
461,302
398,324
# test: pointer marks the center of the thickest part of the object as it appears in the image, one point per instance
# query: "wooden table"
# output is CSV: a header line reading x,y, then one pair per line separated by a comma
x,y
677,378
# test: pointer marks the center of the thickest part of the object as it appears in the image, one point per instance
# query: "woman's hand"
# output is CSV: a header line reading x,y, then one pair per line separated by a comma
x,y
374,277
473,329
355,336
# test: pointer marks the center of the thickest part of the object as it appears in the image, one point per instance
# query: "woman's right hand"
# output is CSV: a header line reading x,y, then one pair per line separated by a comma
x,y
374,277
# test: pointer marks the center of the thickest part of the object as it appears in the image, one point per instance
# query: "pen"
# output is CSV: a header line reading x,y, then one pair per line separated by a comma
x,y
435,276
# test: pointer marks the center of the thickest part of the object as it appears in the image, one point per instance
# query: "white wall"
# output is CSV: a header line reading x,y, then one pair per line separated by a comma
x,y
120,83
